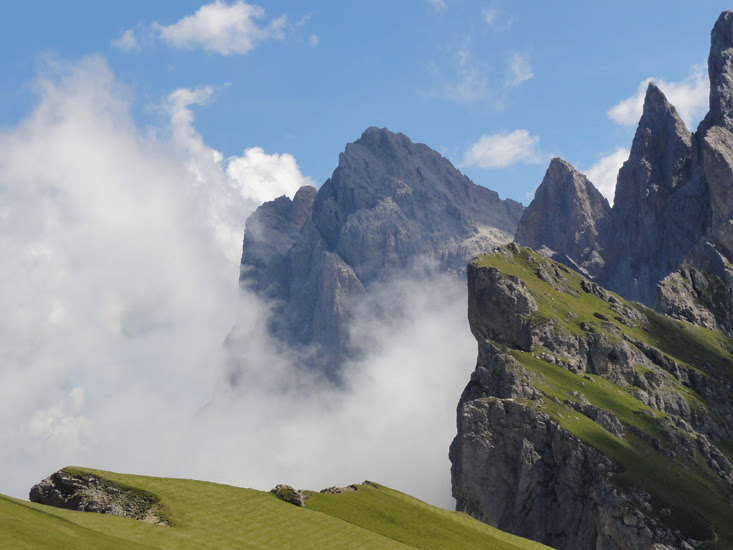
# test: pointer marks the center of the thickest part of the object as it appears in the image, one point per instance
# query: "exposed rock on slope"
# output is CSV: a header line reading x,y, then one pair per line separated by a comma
x,y
581,410
566,216
88,493
389,204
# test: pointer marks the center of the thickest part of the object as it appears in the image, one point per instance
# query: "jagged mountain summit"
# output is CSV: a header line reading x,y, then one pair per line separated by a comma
x,y
674,195
566,216
389,204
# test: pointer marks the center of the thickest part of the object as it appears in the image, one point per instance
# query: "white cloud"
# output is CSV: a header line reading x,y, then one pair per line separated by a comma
x,y
689,97
437,4
504,149
520,70
490,16
604,173
313,40
117,289
256,176
222,28
127,42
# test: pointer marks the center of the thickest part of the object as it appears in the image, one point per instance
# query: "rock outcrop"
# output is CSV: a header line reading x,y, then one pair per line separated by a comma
x,y
389,204
581,409
288,494
85,492
566,216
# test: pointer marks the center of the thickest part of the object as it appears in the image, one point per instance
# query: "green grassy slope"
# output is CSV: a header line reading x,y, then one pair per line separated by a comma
x,y
419,525
686,495
209,515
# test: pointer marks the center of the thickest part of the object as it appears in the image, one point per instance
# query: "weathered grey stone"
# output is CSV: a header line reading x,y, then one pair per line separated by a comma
x,y
567,215
517,469
645,241
496,307
89,493
287,494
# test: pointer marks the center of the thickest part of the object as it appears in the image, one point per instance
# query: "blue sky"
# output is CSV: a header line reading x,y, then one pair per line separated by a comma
x,y
135,139
318,73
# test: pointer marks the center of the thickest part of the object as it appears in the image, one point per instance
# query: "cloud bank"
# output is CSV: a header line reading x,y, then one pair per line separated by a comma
x,y
120,256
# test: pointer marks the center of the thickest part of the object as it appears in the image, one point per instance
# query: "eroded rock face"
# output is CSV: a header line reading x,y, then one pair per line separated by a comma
x,y
516,467
389,204
567,215
651,229
88,493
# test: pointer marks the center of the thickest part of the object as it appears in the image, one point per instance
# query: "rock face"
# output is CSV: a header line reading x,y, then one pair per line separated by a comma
x,y
567,215
583,407
88,493
659,210
389,204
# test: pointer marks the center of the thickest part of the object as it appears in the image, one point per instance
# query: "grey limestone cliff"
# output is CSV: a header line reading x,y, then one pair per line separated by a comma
x,y
660,210
566,216
586,415
389,204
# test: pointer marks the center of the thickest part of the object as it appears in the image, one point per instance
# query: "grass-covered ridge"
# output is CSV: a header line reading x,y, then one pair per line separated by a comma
x,y
686,494
209,515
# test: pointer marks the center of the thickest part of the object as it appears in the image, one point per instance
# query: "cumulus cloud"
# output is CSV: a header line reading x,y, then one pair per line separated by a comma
x,y
127,42
519,70
689,96
314,40
255,177
218,27
604,173
504,149
118,285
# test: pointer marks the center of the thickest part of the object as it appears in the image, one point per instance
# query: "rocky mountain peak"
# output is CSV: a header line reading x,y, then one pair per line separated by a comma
x,y
663,140
390,203
574,234
720,71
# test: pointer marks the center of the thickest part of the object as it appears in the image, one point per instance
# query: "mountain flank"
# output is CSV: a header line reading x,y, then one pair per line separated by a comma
x,y
591,421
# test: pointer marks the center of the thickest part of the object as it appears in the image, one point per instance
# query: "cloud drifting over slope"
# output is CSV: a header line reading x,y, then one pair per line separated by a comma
x,y
119,271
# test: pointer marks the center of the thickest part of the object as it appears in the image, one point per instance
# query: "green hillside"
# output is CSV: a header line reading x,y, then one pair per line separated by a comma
x,y
656,453
209,515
